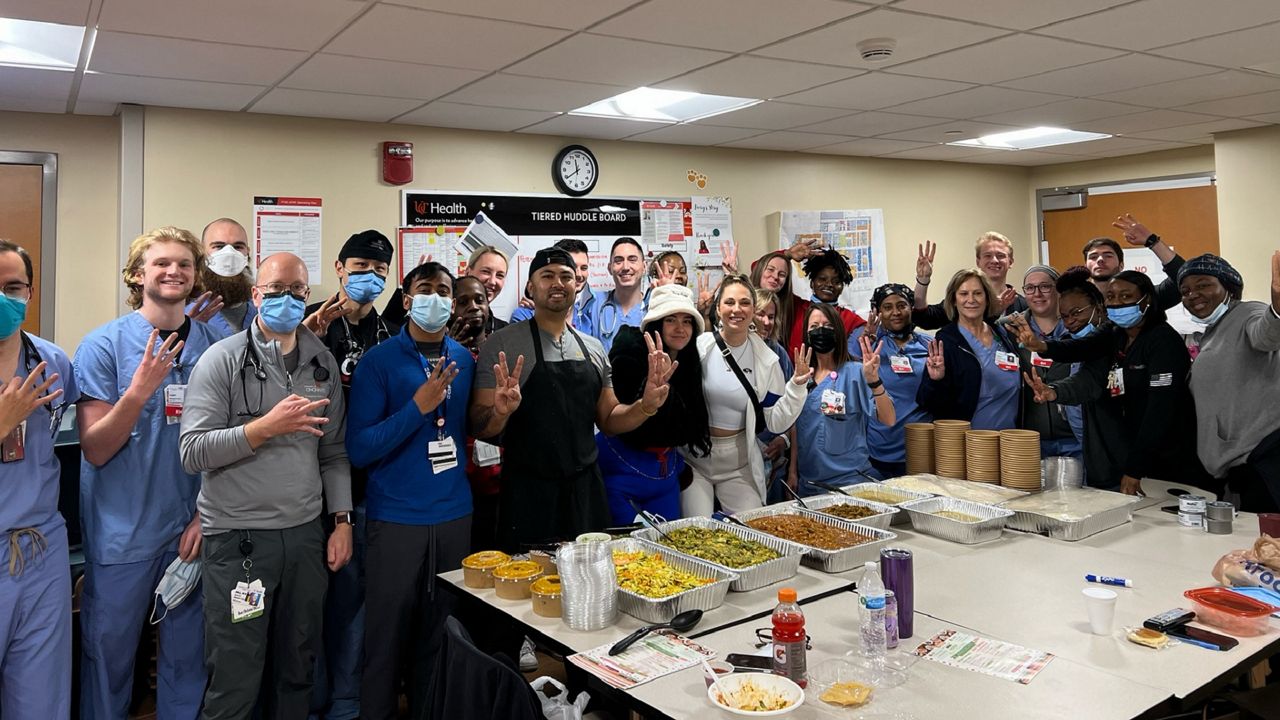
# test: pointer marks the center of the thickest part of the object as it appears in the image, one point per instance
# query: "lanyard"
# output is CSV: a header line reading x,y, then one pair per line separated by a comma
x,y
441,411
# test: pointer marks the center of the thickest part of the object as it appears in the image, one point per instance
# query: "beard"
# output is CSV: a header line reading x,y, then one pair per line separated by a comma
x,y
234,290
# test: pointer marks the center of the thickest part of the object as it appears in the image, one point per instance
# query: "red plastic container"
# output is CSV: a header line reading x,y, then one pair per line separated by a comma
x,y
1237,614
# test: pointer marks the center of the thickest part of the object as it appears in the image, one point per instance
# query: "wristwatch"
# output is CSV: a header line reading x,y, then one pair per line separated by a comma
x,y
1152,239
343,518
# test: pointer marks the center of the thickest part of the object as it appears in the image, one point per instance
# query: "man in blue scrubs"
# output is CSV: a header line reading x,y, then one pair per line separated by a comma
x,y
585,301
138,506
35,582
624,304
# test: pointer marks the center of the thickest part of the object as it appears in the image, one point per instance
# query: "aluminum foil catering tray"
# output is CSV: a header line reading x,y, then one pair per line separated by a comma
x,y
982,493
884,514
1070,513
749,578
884,493
660,610
968,533
831,561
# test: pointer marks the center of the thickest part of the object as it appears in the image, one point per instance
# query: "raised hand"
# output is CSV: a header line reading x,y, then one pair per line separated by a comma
x,y
666,276
804,370
21,396
330,310
1135,233
729,256
506,389
155,364
870,358
705,298
293,414
1025,335
924,261
936,365
804,248
661,367
1040,392
1007,298
205,307
430,393
872,328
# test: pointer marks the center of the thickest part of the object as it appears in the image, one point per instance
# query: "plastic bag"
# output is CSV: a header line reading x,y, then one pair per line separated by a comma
x,y
559,707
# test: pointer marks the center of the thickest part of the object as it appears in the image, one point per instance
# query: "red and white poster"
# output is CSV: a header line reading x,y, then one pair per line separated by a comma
x,y
288,224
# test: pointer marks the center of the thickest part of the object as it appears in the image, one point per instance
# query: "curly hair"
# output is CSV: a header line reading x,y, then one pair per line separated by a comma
x,y
138,249
829,257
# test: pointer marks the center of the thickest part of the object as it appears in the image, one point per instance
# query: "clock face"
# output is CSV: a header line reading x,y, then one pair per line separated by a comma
x,y
576,171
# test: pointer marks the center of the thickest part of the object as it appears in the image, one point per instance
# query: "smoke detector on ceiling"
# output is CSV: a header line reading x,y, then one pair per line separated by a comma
x,y
877,50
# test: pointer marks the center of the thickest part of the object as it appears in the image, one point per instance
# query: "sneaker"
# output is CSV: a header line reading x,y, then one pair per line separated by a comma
x,y
528,658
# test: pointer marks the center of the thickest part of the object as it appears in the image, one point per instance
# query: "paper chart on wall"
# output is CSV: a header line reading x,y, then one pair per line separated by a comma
x,y
288,224
415,245
857,234
711,236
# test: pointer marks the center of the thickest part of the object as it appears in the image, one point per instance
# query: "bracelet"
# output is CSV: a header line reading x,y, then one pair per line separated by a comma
x,y
923,283
646,412
876,384
879,394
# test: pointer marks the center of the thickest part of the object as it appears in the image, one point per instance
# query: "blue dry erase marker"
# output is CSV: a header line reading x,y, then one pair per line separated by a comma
x,y
1103,579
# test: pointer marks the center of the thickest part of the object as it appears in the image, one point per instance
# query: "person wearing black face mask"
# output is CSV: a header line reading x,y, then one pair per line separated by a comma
x,y
844,396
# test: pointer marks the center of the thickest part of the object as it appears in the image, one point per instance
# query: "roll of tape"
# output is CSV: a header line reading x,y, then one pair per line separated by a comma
x,y
1191,519
1218,527
1191,504
1219,510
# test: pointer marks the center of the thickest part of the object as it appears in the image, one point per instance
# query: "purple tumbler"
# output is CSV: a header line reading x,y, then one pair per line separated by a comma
x,y
896,570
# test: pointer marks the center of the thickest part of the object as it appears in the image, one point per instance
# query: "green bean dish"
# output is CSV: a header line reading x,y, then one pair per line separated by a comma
x,y
719,546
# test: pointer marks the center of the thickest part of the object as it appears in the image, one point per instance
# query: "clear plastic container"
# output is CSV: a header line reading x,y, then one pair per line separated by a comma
x,y
1231,612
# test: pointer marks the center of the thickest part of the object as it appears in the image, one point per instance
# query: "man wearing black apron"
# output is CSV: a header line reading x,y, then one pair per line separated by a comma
x,y
544,417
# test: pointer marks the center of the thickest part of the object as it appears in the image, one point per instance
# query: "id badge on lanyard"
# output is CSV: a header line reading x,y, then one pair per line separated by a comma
x,y
175,397
1007,361
900,364
1115,381
443,451
1040,361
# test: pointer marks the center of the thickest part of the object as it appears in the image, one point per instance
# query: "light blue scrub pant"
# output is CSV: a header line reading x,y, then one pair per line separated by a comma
x,y
35,631
117,600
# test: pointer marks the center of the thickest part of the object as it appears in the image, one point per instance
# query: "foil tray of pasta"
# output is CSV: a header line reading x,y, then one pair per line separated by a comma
x,y
1070,513
757,558
831,544
656,584
958,520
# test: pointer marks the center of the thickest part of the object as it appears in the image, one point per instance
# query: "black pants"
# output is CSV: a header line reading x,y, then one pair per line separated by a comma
x,y
404,610
281,644
484,522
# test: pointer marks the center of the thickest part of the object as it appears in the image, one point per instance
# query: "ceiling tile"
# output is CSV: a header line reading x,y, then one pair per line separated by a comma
x,y
1229,83
1023,157
528,93
1269,118
103,87
785,140
396,33
917,36
572,126
950,131
943,152
874,91
472,117
339,73
1104,76
1258,104
35,105
1197,131
570,14
694,134
867,147
757,77
1005,59
1142,121
308,103
775,116
978,101
1238,49
594,58
35,84
65,12
1109,146
709,23
1153,23
1065,113
868,124
289,24
128,54
1018,14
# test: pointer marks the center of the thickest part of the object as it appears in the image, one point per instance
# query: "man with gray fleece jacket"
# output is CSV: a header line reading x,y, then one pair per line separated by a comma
x,y
263,423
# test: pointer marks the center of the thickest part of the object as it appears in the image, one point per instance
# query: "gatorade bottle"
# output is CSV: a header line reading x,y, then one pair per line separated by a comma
x,y
789,638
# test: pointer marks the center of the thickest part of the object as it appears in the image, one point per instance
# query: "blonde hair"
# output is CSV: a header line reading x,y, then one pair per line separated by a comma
x,y
991,236
953,287
487,250
763,298
141,244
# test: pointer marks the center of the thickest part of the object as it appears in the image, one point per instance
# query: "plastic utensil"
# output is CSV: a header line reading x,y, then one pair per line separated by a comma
x,y
680,623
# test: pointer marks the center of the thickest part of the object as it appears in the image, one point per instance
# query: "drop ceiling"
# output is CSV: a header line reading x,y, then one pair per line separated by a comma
x,y
1161,74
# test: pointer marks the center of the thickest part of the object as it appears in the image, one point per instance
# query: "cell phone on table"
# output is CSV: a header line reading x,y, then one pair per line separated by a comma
x,y
1169,619
1202,637
753,662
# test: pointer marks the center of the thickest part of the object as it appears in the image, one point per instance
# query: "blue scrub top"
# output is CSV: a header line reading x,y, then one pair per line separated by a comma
x,y
222,329
889,442
29,487
607,318
833,448
136,506
998,399
582,309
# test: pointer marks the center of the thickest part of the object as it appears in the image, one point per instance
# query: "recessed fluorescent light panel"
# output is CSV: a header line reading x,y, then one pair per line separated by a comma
x,y
664,106
1030,138
25,43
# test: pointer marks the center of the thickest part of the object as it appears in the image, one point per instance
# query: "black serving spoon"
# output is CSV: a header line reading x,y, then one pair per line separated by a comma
x,y
791,492
680,623
648,519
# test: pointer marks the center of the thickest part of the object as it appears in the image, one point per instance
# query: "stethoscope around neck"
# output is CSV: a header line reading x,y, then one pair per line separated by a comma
x,y
252,360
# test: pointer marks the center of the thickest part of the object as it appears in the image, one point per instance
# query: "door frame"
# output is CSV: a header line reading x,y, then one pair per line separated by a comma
x,y
48,229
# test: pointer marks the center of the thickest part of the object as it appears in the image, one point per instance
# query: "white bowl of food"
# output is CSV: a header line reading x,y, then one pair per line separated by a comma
x,y
756,695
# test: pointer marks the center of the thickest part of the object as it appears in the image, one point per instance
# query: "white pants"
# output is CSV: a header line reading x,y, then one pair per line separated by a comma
x,y
726,475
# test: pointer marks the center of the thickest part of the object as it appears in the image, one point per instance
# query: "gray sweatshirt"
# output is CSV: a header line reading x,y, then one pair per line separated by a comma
x,y
279,485
1236,384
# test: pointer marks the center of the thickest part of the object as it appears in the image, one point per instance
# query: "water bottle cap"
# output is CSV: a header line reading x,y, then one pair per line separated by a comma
x,y
787,595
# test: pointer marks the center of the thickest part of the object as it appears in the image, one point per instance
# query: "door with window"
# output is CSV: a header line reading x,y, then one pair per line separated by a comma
x,y
21,203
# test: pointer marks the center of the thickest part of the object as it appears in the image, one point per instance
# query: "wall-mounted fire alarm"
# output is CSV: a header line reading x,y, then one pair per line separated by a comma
x,y
397,162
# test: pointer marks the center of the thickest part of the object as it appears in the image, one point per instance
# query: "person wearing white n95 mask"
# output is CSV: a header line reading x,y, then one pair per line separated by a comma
x,y
227,279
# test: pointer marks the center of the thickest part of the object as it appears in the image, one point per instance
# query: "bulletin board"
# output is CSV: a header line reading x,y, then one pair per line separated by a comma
x,y
696,227
857,234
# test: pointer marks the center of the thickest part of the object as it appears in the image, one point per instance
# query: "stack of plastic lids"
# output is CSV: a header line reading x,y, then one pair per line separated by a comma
x,y
589,588
1062,472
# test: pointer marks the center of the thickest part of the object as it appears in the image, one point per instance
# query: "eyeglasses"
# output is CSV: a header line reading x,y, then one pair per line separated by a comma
x,y
298,290
764,636
1041,289
17,290
1073,314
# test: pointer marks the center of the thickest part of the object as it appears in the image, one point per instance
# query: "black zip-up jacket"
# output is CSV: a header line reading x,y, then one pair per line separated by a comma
x,y
955,396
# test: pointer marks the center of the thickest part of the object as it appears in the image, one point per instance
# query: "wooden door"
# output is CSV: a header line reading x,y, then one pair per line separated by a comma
x,y
21,196
1185,218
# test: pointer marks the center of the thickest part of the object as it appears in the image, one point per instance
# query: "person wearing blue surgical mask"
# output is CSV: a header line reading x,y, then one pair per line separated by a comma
x,y
407,426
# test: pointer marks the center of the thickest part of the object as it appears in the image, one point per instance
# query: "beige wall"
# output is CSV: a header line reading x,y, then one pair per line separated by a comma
x,y
1248,163
200,165
88,150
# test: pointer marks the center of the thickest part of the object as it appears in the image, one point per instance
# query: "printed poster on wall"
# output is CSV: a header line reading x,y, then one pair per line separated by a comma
x,y
288,224
856,234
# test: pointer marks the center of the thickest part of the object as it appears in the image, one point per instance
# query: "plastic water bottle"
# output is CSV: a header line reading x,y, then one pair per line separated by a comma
x,y
871,597
789,639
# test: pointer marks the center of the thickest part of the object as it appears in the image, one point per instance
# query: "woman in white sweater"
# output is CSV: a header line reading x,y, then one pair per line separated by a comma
x,y
734,471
